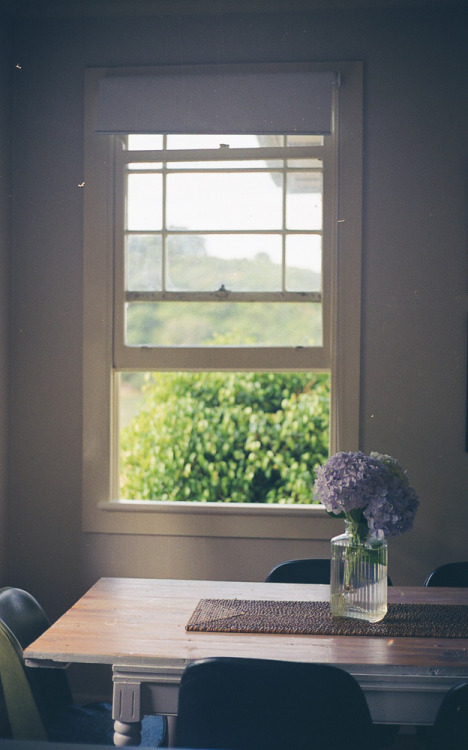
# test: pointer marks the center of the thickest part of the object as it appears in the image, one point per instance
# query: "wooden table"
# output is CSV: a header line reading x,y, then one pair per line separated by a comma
x,y
138,626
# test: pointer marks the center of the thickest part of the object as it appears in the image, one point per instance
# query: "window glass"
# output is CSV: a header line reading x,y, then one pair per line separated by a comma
x,y
216,323
226,201
239,262
304,262
221,436
144,201
143,262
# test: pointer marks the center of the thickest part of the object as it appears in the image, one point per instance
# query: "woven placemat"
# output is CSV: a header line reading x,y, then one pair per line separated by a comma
x,y
315,618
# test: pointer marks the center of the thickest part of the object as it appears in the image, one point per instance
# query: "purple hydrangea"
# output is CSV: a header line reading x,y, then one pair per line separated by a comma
x,y
374,489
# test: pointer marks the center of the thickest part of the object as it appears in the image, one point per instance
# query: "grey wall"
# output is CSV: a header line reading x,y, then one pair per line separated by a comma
x,y
414,278
5,189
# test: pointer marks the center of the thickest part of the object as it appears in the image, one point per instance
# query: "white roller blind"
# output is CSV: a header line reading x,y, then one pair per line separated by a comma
x,y
217,99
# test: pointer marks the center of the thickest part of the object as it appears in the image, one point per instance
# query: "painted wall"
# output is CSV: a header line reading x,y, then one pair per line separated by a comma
x,y
414,278
5,189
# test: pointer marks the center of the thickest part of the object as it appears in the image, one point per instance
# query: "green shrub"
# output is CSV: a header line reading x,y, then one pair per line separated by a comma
x,y
227,437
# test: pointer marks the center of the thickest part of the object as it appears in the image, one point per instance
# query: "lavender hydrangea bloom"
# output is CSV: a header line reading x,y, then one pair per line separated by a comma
x,y
372,488
349,481
393,514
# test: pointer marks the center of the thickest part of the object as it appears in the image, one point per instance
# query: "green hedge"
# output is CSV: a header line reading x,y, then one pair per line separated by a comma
x,y
227,437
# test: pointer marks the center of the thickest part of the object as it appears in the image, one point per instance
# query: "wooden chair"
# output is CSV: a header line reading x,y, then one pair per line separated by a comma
x,y
451,574
231,703
38,700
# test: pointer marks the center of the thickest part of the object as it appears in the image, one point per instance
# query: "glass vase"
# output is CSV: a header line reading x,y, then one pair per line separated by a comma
x,y
358,578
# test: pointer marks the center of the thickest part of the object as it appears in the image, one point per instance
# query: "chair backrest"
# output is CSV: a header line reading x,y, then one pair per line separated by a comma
x,y
22,614
451,574
451,724
231,703
23,620
306,570
23,713
303,570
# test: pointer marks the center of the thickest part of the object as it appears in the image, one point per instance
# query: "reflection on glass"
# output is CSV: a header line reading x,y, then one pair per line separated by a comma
x,y
148,165
239,164
154,141
220,141
145,142
304,140
144,201
201,323
304,263
304,163
239,263
224,201
304,200
143,263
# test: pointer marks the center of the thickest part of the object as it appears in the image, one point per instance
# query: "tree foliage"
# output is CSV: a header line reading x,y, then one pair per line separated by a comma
x,y
227,437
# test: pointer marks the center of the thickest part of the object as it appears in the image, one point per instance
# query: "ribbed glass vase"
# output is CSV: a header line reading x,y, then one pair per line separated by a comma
x,y
358,579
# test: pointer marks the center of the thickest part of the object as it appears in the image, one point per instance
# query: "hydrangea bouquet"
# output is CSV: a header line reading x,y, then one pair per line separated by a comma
x,y
371,492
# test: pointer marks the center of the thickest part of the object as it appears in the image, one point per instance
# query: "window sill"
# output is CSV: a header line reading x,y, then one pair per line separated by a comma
x,y
214,520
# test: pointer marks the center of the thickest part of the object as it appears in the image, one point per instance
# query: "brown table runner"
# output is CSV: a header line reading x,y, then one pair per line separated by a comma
x,y
314,618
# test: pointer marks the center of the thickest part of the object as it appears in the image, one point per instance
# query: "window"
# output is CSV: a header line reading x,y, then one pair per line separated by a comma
x,y
256,220
207,225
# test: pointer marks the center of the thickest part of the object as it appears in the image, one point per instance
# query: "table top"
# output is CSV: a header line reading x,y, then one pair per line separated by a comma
x,y
136,621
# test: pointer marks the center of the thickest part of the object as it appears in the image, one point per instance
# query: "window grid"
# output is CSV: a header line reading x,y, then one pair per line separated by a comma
x,y
165,157
145,357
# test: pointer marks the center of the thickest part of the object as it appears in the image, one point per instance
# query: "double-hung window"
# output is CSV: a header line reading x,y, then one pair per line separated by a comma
x,y
222,233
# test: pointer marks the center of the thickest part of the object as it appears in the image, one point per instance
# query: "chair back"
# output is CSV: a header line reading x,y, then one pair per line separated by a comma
x,y
306,570
451,574
23,620
303,570
231,703
451,724
23,713
22,614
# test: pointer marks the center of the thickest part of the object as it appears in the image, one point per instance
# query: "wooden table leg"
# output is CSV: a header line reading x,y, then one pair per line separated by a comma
x,y
127,733
126,712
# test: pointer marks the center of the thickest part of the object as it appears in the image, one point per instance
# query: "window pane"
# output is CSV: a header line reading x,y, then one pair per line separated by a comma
x,y
241,437
145,142
149,166
212,323
144,201
239,164
304,140
304,200
305,163
221,141
224,201
143,263
304,263
239,263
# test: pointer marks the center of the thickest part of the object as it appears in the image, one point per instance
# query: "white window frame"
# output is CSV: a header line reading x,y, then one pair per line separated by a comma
x,y
102,511
222,358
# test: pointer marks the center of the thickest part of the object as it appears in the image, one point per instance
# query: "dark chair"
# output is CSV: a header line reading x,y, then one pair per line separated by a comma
x,y
232,703
450,730
306,570
451,574
303,570
38,701
454,575
317,570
